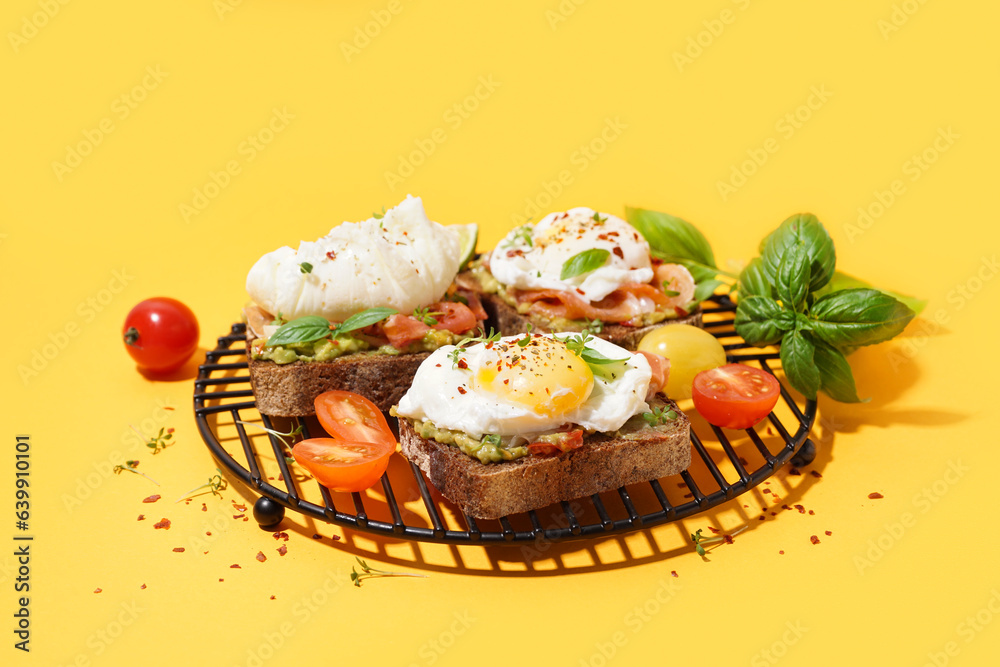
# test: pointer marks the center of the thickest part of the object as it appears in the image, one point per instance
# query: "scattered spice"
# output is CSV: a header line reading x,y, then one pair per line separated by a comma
x,y
673,573
215,484
151,499
281,535
143,587
814,539
261,557
875,495
234,566
816,474
282,550
811,513
208,532
97,590
782,553
179,550
828,533
794,472
317,536
801,509
142,517
204,507
162,523
221,579
272,597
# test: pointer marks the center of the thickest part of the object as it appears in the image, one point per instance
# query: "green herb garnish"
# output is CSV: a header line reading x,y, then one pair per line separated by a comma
x,y
130,466
368,572
598,219
215,484
313,327
305,267
700,540
659,415
159,442
584,262
379,216
426,316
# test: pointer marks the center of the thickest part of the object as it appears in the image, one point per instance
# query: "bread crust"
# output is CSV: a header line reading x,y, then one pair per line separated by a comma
x,y
288,390
604,462
509,322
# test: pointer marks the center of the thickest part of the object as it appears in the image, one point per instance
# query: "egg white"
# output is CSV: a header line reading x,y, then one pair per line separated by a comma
x,y
402,261
560,236
446,396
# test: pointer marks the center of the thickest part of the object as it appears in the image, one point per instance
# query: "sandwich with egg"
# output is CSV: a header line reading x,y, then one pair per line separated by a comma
x,y
356,310
581,270
503,425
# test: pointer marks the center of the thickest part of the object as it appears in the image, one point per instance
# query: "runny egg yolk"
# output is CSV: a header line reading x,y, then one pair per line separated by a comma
x,y
537,372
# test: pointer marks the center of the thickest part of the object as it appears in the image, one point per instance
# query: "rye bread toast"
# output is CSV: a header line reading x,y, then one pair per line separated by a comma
x,y
288,390
636,453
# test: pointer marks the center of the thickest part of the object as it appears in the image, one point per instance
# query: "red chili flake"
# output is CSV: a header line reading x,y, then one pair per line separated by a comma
x,y
167,407
237,516
179,550
170,430
335,538
241,508
331,254
770,431
673,573
317,536
785,507
689,495
728,539
142,517
461,390
463,364
767,490
162,523
272,597
829,533
221,579
281,477
580,290
801,509
234,566
261,557
151,499
814,539
743,461
714,530
781,553
618,252
204,507
811,513
97,590
280,535
208,532
815,474
793,472
282,550
143,587
760,518
875,495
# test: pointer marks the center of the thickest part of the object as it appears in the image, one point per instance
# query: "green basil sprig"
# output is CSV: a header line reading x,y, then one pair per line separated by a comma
x,y
784,298
584,262
678,241
313,327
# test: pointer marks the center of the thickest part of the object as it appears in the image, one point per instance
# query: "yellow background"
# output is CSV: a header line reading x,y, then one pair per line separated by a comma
x,y
894,77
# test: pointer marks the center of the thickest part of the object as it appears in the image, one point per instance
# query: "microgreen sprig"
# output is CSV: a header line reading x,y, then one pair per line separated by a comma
x,y
158,442
700,540
368,572
659,415
597,218
305,267
215,484
279,435
593,327
427,316
522,234
130,466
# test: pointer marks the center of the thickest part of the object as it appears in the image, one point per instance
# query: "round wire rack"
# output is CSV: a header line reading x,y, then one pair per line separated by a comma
x,y
724,464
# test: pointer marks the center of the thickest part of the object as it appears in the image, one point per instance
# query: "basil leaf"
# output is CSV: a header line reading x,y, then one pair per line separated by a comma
x,y
842,281
365,318
584,262
759,320
798,362
836,379
592,356
302,330
753,280
675,239
856,317
792,280
705,289
801,229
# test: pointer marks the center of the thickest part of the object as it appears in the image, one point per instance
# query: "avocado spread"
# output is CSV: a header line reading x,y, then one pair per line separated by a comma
x,y
327,349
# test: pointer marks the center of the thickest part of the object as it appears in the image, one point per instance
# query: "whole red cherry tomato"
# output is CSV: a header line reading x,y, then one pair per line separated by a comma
x,y
160,334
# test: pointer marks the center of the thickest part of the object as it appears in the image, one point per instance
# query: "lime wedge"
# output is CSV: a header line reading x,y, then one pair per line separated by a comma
x,y
467,237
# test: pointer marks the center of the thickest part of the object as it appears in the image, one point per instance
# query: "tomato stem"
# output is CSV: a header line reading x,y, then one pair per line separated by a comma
x,y
131,336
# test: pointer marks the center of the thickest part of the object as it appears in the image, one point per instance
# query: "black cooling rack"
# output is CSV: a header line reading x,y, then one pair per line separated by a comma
x,y
223,398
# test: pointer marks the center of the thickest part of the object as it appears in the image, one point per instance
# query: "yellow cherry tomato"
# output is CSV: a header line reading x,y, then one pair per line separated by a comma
x,y
690,350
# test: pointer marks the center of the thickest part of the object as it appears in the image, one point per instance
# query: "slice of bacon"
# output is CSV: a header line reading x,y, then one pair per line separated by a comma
x,y
625,305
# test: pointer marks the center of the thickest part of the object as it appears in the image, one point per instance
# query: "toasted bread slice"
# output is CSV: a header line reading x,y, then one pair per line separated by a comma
x,y
288,390
636,453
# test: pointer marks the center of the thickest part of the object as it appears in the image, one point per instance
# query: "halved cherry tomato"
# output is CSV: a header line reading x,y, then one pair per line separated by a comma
x,y
557,444
735,395
343,465
353,418
661,372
